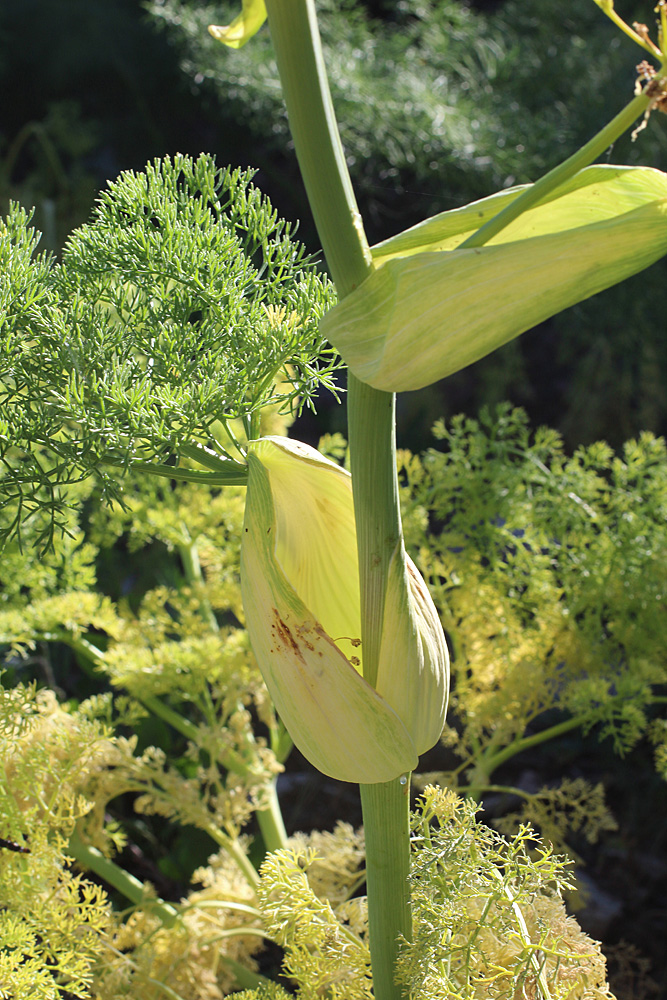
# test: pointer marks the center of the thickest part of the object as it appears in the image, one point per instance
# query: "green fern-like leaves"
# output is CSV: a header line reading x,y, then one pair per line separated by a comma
x,y
185,302
205,300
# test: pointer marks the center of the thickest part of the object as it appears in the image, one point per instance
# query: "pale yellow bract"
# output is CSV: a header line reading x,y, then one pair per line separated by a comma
x,y
430,309
243,27
300,586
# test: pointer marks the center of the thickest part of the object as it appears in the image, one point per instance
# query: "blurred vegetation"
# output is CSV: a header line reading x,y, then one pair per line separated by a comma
x,y
440,102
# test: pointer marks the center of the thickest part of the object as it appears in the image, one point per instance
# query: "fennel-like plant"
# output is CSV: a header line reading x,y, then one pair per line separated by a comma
x,y
174,319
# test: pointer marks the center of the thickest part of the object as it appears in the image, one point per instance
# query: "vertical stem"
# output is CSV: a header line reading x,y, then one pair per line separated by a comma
x,y
303,77
270,820
192,569
372,437
385,806
371,431
387,830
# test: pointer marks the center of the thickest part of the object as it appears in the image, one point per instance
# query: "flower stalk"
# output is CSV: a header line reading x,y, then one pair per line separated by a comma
x,y
371,436
561,173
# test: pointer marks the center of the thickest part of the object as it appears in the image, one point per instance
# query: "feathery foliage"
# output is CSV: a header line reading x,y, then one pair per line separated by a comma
x,y
183,304
180,654
489,918
549,572
53,923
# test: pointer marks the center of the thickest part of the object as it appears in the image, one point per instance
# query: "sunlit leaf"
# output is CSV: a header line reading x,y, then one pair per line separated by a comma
x,y
430,309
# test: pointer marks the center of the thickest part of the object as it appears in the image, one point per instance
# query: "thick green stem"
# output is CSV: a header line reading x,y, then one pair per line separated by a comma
x,y
233,847
371,425
232,478
371,431
298,49
386,811
246,978
371,434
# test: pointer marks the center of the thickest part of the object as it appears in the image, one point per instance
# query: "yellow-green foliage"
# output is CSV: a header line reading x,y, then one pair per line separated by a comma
x,y
193,959
489,920
267,991
322,953
485,911
572,806
59,935
174,655
549,572
54,924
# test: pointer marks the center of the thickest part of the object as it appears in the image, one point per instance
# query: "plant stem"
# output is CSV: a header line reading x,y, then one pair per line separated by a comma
x,y
233,847
234,478
529,945
171,717
488,766
371,432
560,174
126,884
608,7
385,807
134,890
372,436
270,820
189,554
246,978
386,810
298,49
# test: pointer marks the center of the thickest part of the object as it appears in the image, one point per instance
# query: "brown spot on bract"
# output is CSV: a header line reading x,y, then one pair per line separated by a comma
x,y
286,638
417,581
